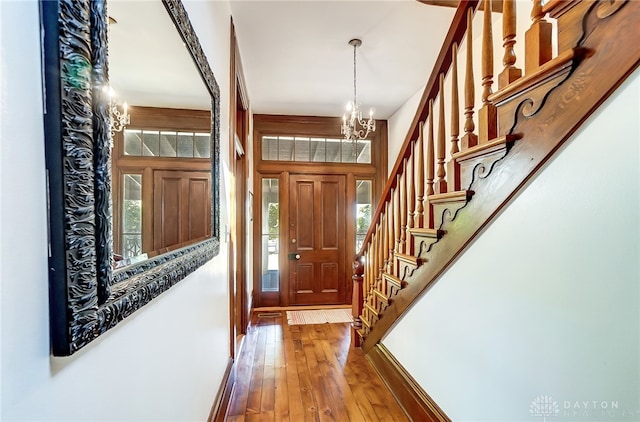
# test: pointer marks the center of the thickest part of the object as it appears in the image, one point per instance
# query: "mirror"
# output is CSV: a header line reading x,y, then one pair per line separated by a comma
x,y
161,159
87,297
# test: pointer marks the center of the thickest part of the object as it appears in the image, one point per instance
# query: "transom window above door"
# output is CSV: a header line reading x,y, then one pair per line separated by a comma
x,y
313,149
157,143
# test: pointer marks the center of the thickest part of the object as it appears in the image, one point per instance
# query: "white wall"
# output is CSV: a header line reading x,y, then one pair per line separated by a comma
x,y
167,360
398,126
546,301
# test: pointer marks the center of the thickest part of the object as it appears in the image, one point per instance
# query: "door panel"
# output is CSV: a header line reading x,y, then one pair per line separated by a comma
x,y
182,208
199,220
317,235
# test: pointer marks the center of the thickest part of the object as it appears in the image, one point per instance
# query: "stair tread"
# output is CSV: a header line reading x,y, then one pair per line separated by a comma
x,y
457,196
426,232
394,280
409,259
485,149
373,310
381,295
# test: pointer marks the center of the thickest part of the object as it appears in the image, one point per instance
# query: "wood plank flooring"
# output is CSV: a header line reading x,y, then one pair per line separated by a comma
x,y
306,373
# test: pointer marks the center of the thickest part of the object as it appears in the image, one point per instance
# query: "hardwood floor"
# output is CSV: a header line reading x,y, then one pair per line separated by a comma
x,y
306,373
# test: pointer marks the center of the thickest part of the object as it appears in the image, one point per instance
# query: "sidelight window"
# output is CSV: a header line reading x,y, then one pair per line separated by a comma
x,y
270,235
363,210
132,215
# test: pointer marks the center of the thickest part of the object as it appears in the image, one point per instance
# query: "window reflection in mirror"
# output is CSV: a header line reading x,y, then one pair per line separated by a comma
x,y
161,161
131,218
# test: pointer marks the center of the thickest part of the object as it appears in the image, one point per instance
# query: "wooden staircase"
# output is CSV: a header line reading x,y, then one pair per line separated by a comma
x,y
436,201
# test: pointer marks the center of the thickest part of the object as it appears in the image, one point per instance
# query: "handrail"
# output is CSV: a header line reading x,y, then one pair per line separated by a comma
x,y
455,35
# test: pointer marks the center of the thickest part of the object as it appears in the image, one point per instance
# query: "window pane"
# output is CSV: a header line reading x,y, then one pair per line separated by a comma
x,y
270,148
334,151
318,150
185,145
285,148
302,149
133,142
168,144
132,215
348,151
151,141
202,143
363,210
364,151
270,235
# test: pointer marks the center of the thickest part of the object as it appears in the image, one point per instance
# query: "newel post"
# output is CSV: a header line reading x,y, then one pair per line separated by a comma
x,y
357,300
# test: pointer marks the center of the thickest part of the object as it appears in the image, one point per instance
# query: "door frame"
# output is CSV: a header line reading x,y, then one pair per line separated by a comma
x,y
239,220
307,126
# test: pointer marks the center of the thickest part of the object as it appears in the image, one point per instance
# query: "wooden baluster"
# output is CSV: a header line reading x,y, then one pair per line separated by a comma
x,y
357,300
487,116
430,154
385,238
418,162
510,72
365,274
455,107
441,183
391,239
537,40
372,263
374,259
453,169
469,139
411,200
403,207
396,224
381,244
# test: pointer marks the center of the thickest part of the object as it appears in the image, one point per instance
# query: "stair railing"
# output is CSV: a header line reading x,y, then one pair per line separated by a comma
x,y
423,192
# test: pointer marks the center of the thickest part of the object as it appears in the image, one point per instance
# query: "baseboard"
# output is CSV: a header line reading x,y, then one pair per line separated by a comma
x,y
415,402
220,404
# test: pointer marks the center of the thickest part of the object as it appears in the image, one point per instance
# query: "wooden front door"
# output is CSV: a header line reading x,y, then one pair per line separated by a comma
x,y
317,234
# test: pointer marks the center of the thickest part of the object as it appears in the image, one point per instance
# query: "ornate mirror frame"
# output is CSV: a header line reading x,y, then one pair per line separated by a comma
x,y
87,297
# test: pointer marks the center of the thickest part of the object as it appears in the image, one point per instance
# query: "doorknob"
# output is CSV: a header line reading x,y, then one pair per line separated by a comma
x,y
294,257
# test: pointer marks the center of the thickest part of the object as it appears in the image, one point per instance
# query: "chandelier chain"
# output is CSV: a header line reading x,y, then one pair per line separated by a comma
x,y
355,98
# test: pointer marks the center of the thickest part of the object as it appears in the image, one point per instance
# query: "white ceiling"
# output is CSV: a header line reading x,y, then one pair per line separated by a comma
x,y
297,59
148,62
295,54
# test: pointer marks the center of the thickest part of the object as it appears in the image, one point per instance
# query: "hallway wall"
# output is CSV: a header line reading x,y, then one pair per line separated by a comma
x,y
167,360
545,302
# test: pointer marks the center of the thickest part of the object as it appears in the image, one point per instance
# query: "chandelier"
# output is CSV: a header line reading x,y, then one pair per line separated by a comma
x,y
353,126
118,119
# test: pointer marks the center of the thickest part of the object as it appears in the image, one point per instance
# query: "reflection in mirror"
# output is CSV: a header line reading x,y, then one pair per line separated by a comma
x,y
87,297
161,196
